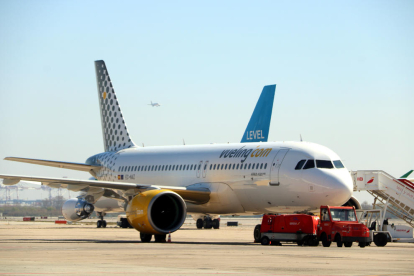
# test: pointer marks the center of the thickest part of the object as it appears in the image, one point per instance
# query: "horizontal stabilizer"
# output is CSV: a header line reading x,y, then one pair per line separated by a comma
x,y
57,164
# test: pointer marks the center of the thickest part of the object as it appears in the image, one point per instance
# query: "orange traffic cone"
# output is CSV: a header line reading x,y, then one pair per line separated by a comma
x,y
169,237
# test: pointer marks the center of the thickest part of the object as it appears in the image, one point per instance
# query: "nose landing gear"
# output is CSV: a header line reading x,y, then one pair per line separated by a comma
x,y
101,222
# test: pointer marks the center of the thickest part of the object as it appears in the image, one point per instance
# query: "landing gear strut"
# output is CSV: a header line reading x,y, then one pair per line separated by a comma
x,y
101,222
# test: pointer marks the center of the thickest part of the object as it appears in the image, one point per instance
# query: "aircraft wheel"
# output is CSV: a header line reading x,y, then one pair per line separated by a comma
x,y
348,244
104,224
207,223
265,241
145,237
256,233
216,223
99,224
160,238
199,224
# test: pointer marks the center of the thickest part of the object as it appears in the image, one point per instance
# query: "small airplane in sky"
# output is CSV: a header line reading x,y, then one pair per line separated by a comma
x,y
154,104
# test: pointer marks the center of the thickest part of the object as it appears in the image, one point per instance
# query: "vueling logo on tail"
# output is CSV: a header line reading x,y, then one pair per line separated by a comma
x,y
244,153
254,134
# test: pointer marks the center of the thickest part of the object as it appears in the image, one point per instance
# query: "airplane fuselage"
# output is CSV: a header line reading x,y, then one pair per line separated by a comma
x,y
242,177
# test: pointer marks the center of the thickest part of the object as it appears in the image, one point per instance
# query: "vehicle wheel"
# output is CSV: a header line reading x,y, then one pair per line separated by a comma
x,y
314,242
338,240
361,244
300,243
380,239
216,224
160,238
368,244
207,223
348,244
99,224
256,233
265,241
325,241
104,223
199,224
339,244
145,237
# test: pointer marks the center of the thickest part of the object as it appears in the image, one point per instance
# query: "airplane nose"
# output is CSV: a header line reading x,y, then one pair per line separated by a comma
x,y
339,186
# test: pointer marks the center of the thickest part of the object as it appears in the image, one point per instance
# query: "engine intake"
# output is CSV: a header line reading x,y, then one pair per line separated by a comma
x,y
156,212
353,202
76,209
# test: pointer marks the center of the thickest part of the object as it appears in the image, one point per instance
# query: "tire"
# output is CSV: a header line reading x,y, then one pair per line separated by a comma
x,y
104,223
380,239
199,224
208,223
362,244
216,224
256,233
145,237
338,240
160,238
300,243
339,244
265,241
98,224
325,241
348,244
314,242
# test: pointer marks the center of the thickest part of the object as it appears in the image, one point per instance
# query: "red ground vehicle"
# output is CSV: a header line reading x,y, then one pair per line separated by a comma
x,y
298,228
340,225
337,224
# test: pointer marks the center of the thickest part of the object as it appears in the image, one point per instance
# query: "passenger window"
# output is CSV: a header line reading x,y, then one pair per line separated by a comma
x,y
234,165
199,166
249,166
152,168
245,166
338,164
300,164
265,166
205,166
180,167
222,165
169,167
214,167
324,164
237,166
310,164
119,168
211,166
225,167
261,166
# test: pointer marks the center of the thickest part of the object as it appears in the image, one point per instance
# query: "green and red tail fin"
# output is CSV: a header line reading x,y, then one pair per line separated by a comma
x,y
405,176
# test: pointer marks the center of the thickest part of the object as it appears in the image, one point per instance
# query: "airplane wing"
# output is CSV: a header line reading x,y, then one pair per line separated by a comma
x,y
197,196
57,164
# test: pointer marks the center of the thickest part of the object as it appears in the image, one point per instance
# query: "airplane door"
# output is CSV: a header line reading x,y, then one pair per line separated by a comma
x,y
200,164
277,162
205,169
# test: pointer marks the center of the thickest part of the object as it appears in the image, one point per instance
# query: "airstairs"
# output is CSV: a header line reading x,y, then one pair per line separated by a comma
x,y
395,196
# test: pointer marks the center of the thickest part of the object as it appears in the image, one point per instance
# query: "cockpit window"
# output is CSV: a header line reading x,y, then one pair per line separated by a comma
x,y
300,164
324,164
338,164
310,164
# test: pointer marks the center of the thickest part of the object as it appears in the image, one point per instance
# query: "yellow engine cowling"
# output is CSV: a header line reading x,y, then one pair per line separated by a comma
x,y
156,212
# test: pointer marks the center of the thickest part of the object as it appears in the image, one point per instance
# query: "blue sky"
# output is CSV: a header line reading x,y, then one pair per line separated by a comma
x,y
344,73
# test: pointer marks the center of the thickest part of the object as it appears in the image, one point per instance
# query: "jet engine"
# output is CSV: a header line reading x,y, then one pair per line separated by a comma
x,y
156,212
76,209
353,202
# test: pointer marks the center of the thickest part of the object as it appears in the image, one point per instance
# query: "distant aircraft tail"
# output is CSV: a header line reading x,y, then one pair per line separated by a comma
x,y
258,128
114,130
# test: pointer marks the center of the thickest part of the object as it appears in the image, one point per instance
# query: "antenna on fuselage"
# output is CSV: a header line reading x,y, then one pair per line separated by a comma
x,y
143,145
183,142
301,137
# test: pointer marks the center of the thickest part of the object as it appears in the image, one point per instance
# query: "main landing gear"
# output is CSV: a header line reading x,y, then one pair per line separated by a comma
x,y
208,223
157,238
101,222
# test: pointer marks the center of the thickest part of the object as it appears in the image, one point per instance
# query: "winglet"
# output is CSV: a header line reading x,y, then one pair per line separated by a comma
x,y
258,128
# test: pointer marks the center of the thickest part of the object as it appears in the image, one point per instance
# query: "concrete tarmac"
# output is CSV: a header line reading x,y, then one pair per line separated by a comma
x,y
45,248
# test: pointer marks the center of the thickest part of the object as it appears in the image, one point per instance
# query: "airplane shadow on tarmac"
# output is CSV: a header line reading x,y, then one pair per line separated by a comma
x,y
116,241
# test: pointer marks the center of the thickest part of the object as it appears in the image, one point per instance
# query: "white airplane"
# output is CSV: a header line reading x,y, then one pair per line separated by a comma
x,y
158,186
154,104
